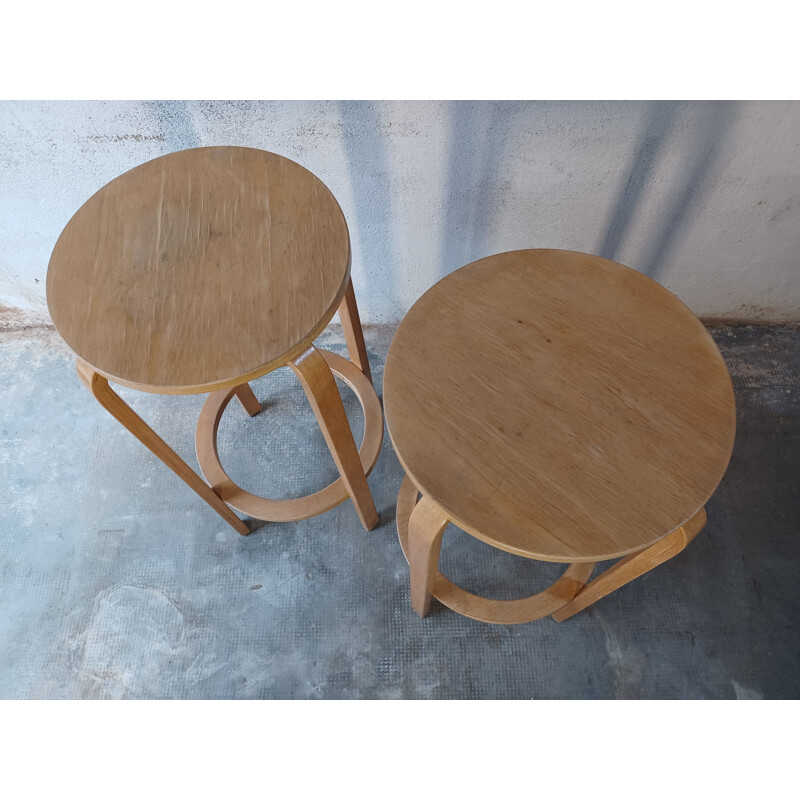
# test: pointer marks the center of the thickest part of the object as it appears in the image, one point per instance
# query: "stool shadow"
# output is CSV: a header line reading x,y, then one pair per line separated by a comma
x,y
175,120
718,118
369,176
662,116
477,146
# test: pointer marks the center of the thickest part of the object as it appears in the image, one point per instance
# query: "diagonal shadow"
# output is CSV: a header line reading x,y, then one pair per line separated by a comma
x,y
369,179
175,120
662,120
716,121
478,141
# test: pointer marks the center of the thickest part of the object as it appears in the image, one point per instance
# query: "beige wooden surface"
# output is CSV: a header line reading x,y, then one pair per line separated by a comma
x,y
199,270
422,553
559,405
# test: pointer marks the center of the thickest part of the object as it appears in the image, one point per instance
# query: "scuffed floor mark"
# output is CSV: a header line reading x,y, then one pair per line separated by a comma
x,y
13,319
743,693
626,662
129,643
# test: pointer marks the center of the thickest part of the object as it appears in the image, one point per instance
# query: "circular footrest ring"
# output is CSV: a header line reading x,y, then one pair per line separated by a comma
x,y
296,508
503,612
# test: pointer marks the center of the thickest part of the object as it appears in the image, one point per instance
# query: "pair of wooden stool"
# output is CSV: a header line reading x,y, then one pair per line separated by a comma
x,y
554,404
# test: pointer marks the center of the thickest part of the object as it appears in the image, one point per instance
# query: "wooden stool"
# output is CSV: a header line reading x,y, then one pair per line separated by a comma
x,y
203,270
559,406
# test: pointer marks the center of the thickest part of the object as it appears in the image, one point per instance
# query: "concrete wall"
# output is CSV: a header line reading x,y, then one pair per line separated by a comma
x,y
702,196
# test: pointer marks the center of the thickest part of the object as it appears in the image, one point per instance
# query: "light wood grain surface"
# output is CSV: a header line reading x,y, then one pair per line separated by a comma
x,y
427,581
559,405
199,270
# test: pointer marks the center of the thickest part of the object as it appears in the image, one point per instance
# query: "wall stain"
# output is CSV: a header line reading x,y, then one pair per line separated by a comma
x,y
128,137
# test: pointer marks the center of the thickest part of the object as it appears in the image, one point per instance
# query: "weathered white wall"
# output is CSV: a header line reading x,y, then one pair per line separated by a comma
x,y
702,196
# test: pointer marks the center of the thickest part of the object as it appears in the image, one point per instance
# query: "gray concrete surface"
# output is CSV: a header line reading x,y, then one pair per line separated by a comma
x,y
700,195
116,581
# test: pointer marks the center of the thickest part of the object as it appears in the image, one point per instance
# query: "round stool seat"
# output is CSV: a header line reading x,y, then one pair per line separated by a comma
x,y
199,270
559,405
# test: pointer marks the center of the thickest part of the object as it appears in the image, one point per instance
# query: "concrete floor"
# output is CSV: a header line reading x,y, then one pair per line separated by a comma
x,y
116,581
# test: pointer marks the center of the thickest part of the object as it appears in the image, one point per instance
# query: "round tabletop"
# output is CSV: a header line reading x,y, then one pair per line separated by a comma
x,y
199,270
559,405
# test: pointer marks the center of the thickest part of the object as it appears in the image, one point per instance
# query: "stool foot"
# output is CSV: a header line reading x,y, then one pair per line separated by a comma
x,y
123,413
248,399
425,529
353,332
633,566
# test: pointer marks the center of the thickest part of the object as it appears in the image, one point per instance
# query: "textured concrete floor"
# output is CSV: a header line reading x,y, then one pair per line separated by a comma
x,y
116,581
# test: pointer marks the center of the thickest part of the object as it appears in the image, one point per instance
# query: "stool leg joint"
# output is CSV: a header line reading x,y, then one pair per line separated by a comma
x,y
353,332
323,395
633,566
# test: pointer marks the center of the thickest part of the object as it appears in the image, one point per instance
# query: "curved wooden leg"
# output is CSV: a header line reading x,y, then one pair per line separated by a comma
x,y
353,333
297,508
431,582
633,566
123,413
248,399
320,387
425,529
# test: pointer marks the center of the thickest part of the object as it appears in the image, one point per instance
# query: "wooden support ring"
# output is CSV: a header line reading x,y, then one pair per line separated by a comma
x,y
504,612
297,508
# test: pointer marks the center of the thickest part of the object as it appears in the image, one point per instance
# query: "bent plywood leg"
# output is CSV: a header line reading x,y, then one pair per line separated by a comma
x,y
633,566
298,507
323,395
353,333
248,399
425,528
123,413
503,612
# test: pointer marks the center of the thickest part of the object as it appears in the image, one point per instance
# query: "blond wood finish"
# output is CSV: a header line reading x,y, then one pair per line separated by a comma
x,y
633,566
420,527
326,403
123,413
353,333
303,507
200,270
248,399
425,529
558,405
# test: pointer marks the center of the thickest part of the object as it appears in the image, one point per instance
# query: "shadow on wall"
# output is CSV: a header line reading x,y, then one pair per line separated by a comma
x,y
707,145
662,120
475,192
474,197
175,120
478,143
368,172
